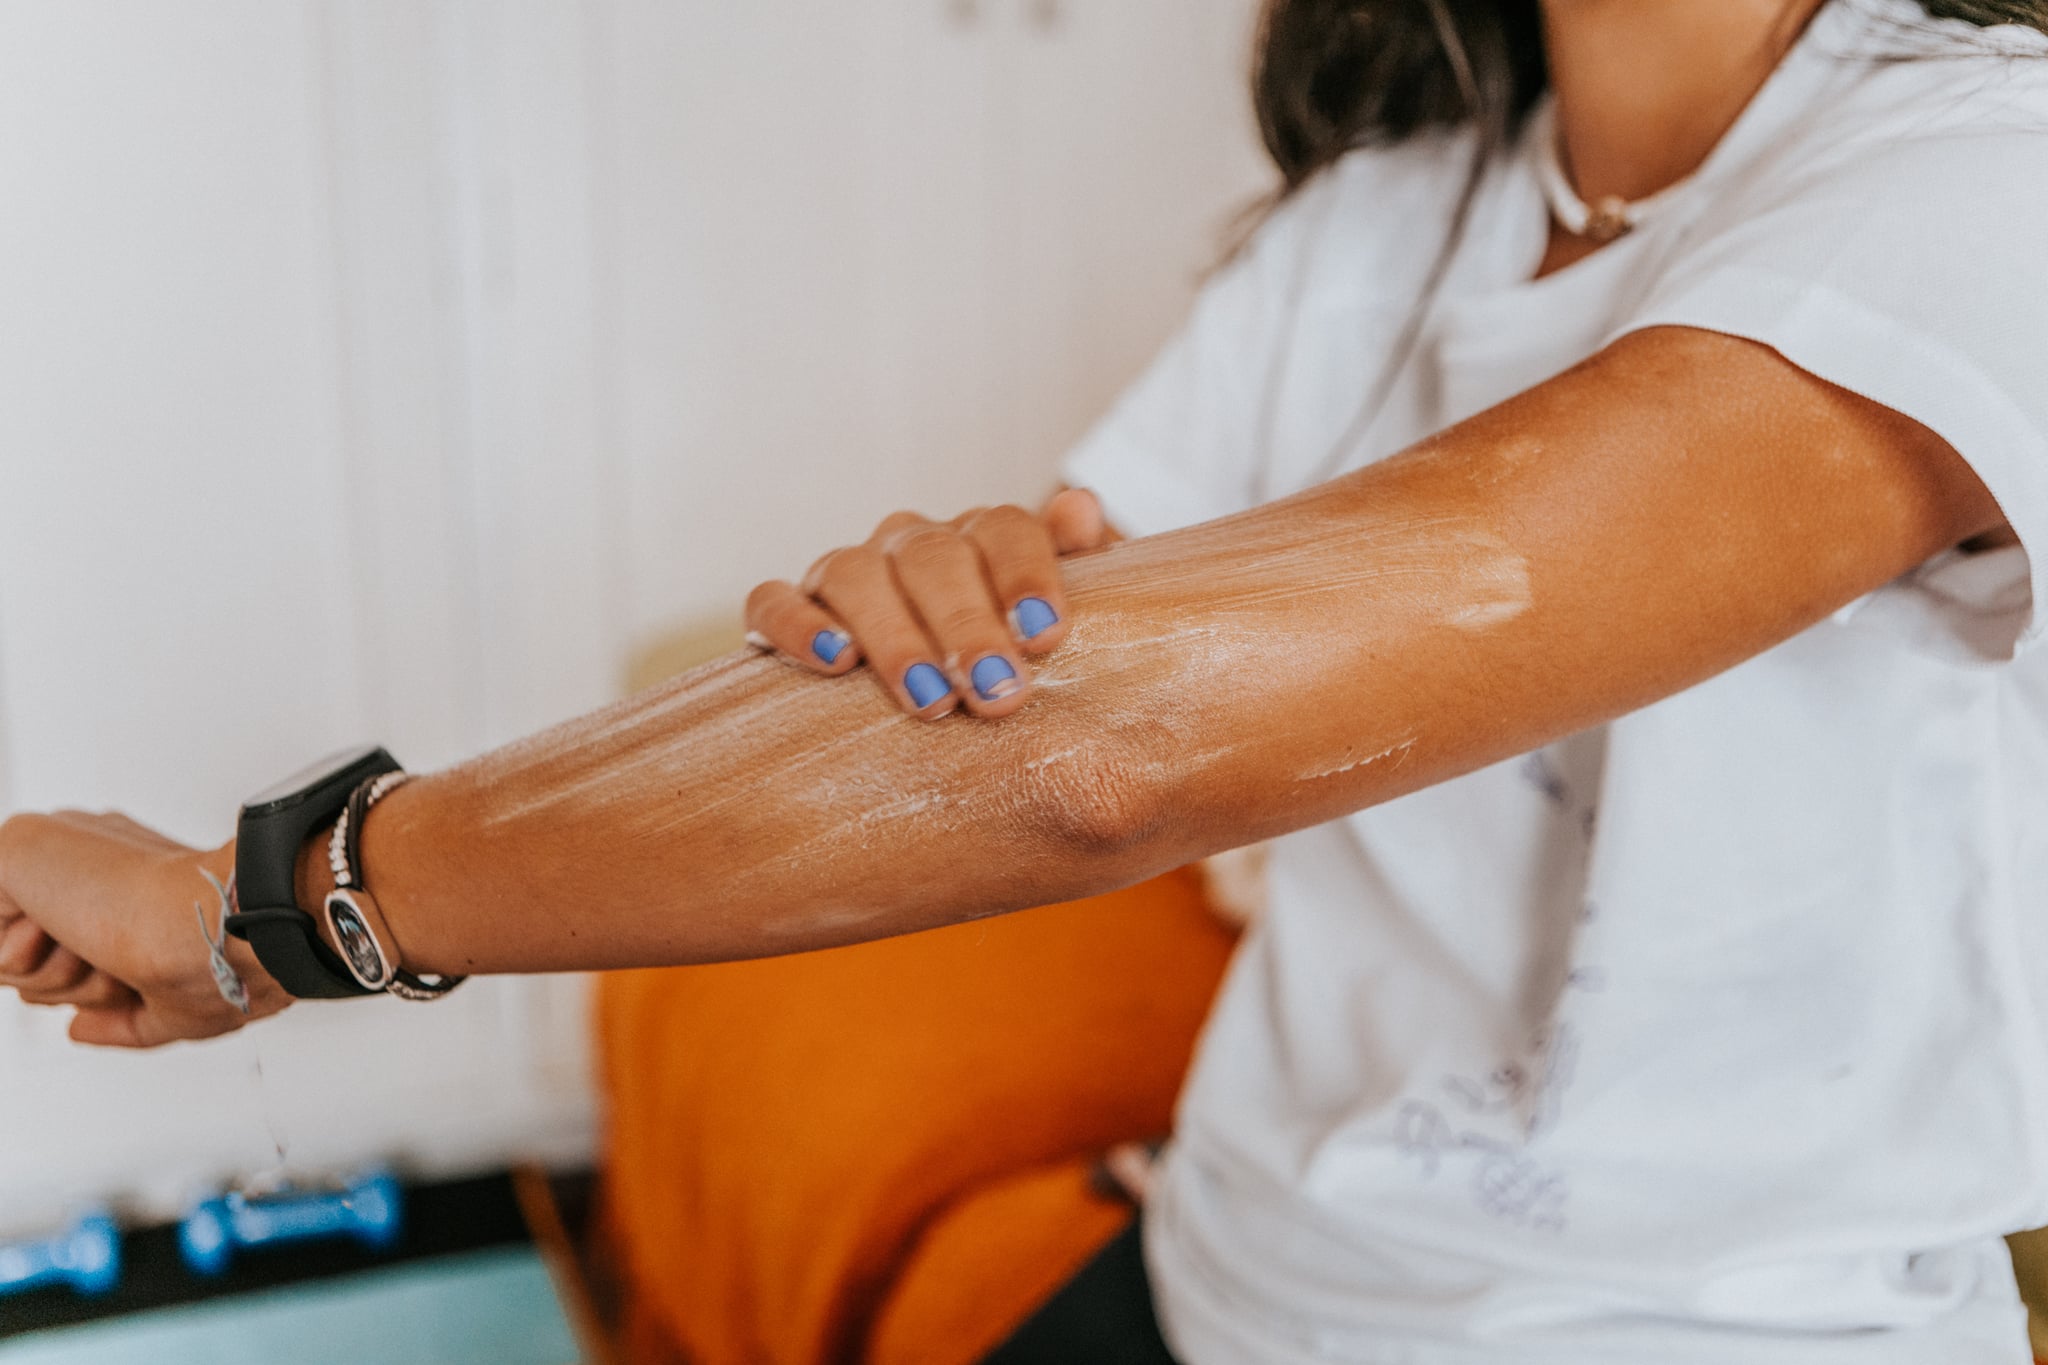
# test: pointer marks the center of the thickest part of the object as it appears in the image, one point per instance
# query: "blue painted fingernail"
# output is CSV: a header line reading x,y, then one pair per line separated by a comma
x,y
829,645
925,684
1034,616
993,678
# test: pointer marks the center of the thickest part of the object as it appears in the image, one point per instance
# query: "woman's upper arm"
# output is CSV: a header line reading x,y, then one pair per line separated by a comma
x,y
1676,504
1890,263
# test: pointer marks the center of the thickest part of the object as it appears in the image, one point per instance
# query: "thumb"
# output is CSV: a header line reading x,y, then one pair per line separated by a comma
x,y
1074,517
108,1025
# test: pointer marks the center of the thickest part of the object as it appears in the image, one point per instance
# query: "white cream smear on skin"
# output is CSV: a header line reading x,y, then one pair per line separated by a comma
x,y
745,730
1391,751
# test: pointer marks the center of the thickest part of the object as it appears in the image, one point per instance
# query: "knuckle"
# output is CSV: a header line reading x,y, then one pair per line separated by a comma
x,y
965,622
847,564
854,559
1022,562
926,545
1007,519
896,523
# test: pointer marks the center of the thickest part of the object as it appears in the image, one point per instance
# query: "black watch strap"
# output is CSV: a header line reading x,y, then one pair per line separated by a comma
x,y
272,829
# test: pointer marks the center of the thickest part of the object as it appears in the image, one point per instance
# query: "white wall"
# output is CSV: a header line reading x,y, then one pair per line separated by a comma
x,y
909,267
394,367
240,526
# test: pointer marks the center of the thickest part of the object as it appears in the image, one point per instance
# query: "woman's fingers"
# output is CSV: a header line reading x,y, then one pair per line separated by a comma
x,y
44,972
112,1026
68,980
786,619
1075,520
941,573
132,1023
24,948
944,612
1022,564
61,970
857,586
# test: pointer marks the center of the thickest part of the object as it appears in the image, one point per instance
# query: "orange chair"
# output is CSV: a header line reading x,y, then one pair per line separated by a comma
x,y
884,1153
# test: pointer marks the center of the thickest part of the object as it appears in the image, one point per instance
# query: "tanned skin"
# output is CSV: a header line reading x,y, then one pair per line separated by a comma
x,y
1676,504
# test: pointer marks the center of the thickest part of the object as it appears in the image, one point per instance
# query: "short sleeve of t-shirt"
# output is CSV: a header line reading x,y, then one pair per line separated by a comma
x,y
1194,438
1908,262
1177,447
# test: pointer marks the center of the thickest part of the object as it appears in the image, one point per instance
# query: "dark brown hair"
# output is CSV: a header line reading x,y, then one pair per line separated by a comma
x,y
1331,75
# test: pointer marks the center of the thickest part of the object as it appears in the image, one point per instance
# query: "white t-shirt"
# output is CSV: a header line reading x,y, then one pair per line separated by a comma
x,y
1715,1035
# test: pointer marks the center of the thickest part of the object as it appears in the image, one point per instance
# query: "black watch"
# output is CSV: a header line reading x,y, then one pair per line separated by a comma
x,y
274,826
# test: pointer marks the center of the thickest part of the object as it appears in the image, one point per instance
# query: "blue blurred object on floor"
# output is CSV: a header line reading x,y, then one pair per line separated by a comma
x,y
86,1256
368,1208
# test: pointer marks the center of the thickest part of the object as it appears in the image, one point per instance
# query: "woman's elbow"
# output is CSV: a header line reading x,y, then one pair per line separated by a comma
x,y
1102,803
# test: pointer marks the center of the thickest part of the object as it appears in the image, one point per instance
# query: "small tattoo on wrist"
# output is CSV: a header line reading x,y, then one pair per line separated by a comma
x,y
225,978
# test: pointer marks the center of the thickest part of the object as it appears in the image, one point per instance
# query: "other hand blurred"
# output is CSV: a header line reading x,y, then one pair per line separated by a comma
x,y
97,912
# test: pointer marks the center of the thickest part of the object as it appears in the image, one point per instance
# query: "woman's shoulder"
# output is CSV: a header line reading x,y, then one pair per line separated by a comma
x,y
1885,110
1897,74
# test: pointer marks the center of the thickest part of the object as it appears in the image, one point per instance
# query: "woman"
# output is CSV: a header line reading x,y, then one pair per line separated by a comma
x,y
1662,984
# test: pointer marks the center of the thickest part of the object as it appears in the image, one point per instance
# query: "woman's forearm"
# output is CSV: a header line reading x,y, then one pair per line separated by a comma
x,y
751,808
1675,505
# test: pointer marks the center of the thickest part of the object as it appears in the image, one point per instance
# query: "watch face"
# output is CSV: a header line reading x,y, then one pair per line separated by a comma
x,y
358,945
312,775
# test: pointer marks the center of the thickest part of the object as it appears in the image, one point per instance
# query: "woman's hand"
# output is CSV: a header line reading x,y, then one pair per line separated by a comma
x,y
97,912
943,611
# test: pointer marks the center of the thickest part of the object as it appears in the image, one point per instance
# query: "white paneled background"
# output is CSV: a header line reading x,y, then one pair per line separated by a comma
x,y
396,368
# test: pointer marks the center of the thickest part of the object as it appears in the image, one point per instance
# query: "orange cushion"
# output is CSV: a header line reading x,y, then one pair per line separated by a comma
x,y
783,1133
991,1259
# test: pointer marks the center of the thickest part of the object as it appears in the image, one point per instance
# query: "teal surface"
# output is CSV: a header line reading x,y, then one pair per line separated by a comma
x,y
485,1308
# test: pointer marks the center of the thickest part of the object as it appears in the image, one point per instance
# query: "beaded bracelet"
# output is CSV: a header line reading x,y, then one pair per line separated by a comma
x,y
353,918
